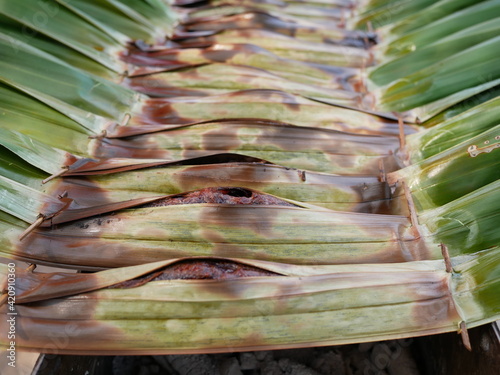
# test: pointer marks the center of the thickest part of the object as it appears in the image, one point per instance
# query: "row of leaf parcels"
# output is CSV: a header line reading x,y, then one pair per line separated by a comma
x,y
251,133
263,227
296,306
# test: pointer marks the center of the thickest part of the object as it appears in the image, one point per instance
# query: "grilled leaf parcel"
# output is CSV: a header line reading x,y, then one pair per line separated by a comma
x,y
241,175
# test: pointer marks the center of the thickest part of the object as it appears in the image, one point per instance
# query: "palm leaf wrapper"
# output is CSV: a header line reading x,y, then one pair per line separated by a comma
x,y
242,175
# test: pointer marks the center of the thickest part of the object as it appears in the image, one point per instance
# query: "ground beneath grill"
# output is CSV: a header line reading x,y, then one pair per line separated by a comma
x,y
382,358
